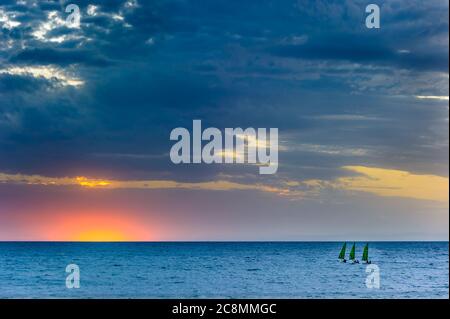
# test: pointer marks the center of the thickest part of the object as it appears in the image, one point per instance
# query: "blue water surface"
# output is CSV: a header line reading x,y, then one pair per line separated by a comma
x,y
221,270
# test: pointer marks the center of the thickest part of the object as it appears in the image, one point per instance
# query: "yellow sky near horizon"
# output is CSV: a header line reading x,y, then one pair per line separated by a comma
x,y
396,183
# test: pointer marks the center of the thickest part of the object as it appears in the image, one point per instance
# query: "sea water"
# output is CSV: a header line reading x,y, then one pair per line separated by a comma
x,y
222,270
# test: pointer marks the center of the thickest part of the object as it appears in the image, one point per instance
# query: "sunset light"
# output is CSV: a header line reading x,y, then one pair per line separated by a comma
x,y
102,227
225,151
101,235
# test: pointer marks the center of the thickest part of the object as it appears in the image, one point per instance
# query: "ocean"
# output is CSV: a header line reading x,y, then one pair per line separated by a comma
x,y
223,270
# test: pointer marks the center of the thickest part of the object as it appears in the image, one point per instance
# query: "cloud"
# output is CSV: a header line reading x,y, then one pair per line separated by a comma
x,y
49,73
7,20
395,183
374,180
328,149
217,185
344,117
432,97
60,57
365,49
52,22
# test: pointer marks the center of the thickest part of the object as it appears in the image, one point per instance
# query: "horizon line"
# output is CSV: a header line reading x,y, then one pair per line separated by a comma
x,y
223,241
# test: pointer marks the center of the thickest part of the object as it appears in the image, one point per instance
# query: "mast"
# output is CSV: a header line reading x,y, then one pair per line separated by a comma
x,y
342,253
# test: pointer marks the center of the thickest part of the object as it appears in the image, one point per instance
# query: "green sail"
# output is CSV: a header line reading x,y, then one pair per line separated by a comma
x,y
352,252
342,253
365,256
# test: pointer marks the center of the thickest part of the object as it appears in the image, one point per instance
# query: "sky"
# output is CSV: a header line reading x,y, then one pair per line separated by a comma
x,y
86,114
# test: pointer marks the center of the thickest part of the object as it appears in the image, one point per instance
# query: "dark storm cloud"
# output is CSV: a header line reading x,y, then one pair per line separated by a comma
x,y
13,83
62,57
49,5
367,49
284,64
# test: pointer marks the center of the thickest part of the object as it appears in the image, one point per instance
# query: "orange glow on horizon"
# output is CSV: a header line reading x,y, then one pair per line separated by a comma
x,y
93,226
101,235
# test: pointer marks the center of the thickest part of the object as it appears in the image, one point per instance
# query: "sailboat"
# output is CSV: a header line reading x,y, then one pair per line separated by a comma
x,y
342,253
352,255
365,256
